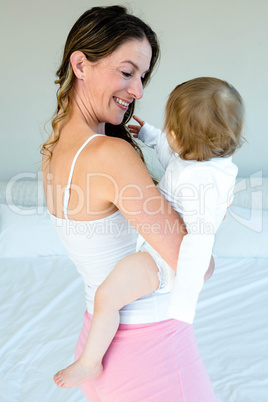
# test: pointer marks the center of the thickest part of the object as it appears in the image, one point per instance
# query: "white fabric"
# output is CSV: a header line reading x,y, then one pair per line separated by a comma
x,y
24,189
200,192
251,225
41,313
27,232
95,247
166,275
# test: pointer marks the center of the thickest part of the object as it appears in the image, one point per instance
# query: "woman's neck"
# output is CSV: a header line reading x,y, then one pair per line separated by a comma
x,y
80,114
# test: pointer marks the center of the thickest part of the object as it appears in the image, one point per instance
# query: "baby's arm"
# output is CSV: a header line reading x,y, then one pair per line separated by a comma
x,y
154,138
197,196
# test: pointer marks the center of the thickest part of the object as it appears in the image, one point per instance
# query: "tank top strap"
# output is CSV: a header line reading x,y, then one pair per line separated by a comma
x,y
68,187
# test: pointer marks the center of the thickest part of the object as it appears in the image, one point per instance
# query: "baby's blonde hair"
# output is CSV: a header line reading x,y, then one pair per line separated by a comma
x,y
206,114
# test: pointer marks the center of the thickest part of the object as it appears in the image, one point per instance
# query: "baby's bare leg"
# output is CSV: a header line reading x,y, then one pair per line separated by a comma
x,y
133,277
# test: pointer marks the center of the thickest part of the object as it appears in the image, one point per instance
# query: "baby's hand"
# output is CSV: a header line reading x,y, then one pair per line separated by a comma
x,y
134,129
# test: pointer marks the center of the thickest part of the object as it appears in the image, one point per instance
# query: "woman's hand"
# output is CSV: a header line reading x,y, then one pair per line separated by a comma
x,y
134,129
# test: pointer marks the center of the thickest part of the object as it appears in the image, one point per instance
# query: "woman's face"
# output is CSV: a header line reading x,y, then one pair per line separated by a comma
x,y
113,82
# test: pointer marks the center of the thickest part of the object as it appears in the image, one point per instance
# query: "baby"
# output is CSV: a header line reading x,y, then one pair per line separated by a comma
x,y
203,124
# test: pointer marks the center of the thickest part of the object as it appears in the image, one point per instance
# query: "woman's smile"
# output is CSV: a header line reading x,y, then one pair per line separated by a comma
x,y
121,103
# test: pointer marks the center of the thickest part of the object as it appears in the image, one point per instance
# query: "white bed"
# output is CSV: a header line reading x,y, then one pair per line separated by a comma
x,y
42,300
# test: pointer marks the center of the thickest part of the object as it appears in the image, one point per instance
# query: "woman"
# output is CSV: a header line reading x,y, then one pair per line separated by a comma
x,y
98,192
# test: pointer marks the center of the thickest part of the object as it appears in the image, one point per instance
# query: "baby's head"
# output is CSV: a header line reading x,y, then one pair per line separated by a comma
x,y
204,119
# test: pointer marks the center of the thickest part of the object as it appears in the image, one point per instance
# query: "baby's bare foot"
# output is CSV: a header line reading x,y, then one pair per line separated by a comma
x,y
76,374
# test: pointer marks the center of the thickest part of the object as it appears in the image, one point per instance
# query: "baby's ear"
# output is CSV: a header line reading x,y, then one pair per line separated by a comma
x,y
173,135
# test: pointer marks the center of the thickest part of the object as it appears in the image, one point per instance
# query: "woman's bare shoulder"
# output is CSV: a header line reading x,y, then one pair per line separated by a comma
x,y
111,150
115,144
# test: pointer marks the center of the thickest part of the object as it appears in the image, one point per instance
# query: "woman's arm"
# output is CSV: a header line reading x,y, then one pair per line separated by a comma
x,y
127,184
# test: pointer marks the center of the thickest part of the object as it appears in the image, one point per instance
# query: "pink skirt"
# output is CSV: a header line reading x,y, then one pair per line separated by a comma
x,y
149,363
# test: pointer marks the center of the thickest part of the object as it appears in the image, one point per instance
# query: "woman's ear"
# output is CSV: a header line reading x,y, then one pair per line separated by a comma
x,y
77,60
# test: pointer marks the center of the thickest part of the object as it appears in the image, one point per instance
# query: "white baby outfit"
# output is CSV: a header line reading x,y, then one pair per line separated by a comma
x,y
200,192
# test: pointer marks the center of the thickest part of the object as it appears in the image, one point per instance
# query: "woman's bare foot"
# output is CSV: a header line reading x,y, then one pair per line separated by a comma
x,y
76,374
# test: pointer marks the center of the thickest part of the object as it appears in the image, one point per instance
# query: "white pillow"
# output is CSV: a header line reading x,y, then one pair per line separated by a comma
x,y
244,233
27,232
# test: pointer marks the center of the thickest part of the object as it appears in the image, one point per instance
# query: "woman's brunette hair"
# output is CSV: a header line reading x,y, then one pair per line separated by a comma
x,y
98,33
206,114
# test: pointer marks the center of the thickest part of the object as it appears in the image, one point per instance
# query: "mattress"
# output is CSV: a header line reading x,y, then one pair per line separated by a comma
x,y
41,310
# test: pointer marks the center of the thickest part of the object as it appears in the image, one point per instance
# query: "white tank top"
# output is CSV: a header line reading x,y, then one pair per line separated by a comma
x,y
96,246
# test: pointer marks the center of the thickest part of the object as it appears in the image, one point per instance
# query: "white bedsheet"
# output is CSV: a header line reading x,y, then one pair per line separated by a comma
x,y
231,327
41,312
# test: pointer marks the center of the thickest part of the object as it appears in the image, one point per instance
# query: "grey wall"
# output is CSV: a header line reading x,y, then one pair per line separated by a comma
x,y
222,38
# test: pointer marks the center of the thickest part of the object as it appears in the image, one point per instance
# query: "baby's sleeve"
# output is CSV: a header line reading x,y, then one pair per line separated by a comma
x,y
154,138
197,194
